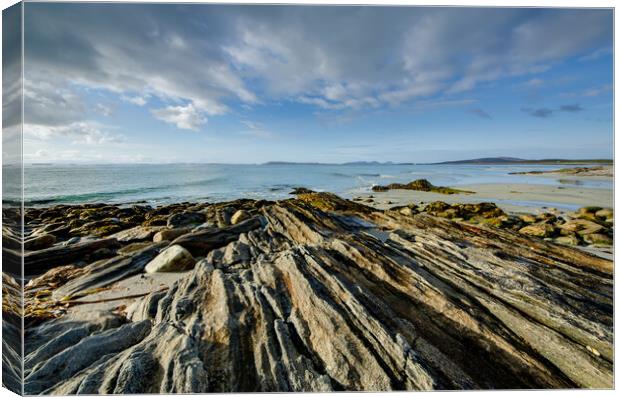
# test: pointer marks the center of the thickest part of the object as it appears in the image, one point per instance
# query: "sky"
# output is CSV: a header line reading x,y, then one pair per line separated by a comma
x,y
157,83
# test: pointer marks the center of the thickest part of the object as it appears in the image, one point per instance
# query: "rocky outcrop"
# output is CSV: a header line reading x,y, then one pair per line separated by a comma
x,y
421,185
605,171
320,293
36,262
569,229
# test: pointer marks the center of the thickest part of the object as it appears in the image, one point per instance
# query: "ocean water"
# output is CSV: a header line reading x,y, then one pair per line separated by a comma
x,y
166,183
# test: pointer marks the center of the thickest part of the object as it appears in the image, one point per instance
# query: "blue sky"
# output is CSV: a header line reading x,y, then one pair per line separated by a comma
x,y
249,84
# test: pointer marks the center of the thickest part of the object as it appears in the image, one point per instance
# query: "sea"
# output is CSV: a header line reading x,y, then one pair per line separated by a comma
x,y
155,184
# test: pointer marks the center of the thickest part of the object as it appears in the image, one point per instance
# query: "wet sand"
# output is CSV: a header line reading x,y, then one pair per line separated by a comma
x,y
123,293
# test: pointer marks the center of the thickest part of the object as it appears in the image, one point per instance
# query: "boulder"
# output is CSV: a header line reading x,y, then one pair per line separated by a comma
x,y
567,240
605,213
185,219
170,234
581,226
100,228
436,207
598,239
137,233
239,216
537,230
409,210
173,259
301,190
495,222
158,220
589,210
527,218
546,217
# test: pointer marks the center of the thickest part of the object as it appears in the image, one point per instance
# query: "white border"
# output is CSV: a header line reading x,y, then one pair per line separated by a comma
x,y
480,3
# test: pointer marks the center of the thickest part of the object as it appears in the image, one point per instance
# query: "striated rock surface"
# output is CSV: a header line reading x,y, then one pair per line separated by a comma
x,y
138,233
320,293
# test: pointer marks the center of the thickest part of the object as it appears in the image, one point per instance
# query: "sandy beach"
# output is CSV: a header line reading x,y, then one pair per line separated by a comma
x,y
513,198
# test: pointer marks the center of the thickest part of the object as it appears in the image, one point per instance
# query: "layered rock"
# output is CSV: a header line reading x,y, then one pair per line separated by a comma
x,y
319,293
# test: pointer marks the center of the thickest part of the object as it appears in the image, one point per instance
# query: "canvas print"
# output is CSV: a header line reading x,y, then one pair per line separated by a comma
x,y
205,198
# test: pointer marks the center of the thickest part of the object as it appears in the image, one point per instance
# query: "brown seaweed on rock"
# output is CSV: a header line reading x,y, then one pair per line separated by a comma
x,y
421,185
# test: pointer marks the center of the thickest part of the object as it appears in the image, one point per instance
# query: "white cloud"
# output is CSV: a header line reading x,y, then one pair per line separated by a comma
x,y
337,58
184,117
79,132
589,92
104,109
594,55
136,100
256,129
598,90
534,83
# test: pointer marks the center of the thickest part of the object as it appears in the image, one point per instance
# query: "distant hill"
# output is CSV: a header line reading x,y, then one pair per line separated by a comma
x,y
515,160
290,163
349,163
374,163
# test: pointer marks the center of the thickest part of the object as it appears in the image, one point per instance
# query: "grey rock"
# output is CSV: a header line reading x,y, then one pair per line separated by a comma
x,y
138,233
173,259
305,299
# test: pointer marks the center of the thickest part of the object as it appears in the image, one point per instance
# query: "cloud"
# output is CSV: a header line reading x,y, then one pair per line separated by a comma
x,y
588,92
184,117
81,132
598,90
217,57
542,113
574,108
546,112
136,100
441,103
594,55
480,113
252,125
104,109
534,83
256,130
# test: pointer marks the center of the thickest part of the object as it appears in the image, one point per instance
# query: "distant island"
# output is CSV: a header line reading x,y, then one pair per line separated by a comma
x,y
483,160
348,163
515,160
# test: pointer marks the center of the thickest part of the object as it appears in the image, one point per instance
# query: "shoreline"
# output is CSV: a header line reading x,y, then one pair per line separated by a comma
x,y
173,274
513,198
